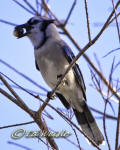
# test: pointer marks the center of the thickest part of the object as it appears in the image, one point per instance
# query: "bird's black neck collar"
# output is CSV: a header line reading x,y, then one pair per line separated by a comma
x,y
44,39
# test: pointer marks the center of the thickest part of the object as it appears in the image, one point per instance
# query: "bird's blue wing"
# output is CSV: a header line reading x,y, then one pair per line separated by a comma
x,y
77,72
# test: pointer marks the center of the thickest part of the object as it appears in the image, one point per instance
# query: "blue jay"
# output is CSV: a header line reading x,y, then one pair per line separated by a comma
x,y
52,57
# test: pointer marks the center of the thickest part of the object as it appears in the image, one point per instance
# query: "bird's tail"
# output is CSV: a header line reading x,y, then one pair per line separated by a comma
x,y
89,125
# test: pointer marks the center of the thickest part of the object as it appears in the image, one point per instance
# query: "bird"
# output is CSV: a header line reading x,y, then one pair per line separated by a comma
x,y
52,57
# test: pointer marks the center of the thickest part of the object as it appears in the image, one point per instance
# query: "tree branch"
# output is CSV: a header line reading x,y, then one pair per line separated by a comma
x,y
70,12
87,18
117,129
18,101
117,25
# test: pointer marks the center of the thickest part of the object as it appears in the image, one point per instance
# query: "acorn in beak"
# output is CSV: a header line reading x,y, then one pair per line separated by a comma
x,y
22,30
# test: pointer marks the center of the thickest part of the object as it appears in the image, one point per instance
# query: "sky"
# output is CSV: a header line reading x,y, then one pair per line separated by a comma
x,y
20,55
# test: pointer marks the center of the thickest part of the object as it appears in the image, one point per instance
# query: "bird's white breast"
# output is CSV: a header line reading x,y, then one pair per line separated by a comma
x,y
49,63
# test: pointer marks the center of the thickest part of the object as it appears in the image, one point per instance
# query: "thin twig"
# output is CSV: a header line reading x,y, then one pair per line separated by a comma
x,y
70,12
16,85
70,141
8,23
114,50
96,24
19,145
3,92
117,15
22,6
117,25
23,75
19,100
104,125
98,63
105,94
87,18
76,137
31,7
15,125
98,88
118,128
102,113
106,102
25,89
21,105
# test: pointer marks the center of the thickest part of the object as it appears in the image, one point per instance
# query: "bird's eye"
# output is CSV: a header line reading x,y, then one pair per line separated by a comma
x,y
33,22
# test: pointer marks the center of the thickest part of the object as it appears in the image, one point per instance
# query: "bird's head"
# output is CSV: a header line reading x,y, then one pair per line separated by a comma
x,y
37,29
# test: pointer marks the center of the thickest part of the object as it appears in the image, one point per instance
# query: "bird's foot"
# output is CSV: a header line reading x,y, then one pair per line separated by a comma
x,y
51,96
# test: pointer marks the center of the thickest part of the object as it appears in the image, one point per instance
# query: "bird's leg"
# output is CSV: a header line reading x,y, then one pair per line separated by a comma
x,y
51,97
64,81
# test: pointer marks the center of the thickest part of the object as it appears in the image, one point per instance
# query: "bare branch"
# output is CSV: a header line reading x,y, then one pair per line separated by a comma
x,y
117,129
15,125
106,115
23,75
22,6
114,50
117,15
19,145
31,7
3,92
117,25
7,22
19,100
106,102
104,125
22,105
96,24
97,85
17,86
76,137
87,18
70,12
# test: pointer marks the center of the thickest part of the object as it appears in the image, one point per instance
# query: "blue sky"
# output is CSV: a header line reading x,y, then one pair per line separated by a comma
x,y
20,54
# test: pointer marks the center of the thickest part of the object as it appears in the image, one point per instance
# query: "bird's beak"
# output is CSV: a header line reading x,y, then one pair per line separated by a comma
x,y
21,30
